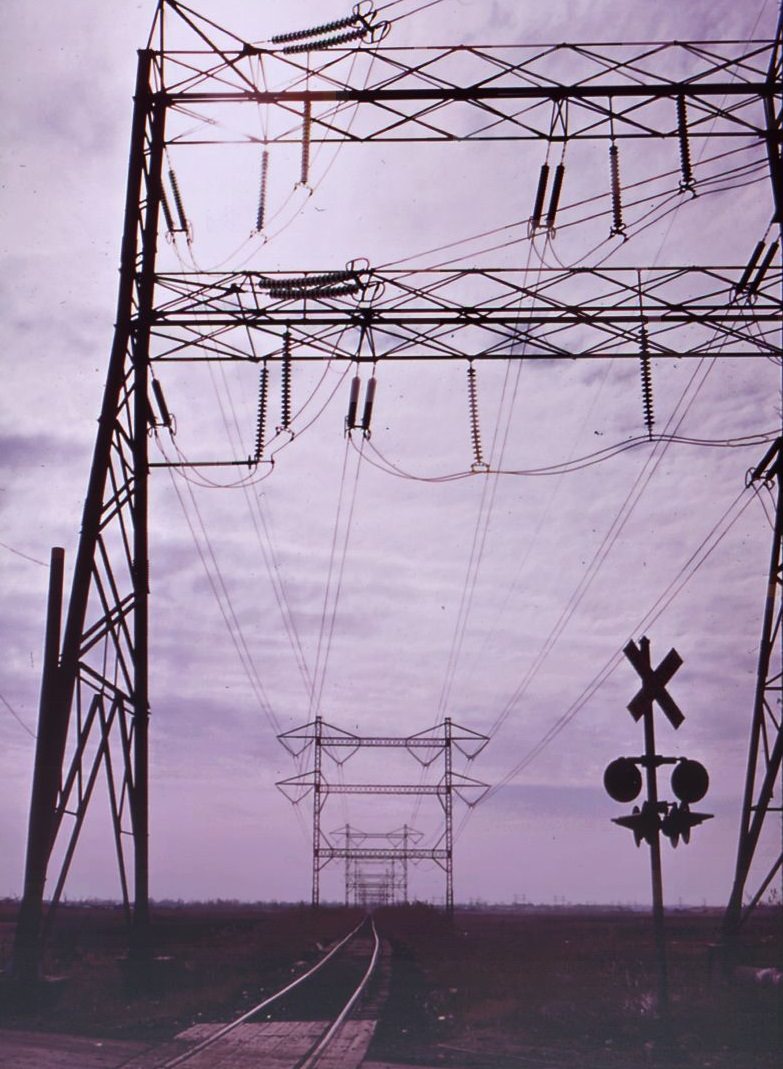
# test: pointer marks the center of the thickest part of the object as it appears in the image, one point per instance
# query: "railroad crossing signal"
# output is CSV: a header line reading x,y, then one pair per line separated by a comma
x,y
654,681
623,782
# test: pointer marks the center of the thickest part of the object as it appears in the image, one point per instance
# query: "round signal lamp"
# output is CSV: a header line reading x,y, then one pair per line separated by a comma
x,y
690,781
622,780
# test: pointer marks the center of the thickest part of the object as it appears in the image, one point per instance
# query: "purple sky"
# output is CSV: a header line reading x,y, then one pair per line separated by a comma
x,y
219,826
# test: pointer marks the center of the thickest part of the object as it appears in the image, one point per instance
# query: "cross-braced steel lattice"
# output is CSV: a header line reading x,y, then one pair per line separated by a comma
x,y
95,706
428,746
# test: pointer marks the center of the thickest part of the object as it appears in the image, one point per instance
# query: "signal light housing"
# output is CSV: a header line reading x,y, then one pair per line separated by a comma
x,y
623,780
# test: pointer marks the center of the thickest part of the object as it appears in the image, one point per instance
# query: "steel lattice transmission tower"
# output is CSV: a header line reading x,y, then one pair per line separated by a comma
x,y
428,747
95,698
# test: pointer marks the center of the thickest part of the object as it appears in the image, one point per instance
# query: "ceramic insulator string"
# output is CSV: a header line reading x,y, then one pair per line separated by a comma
x,y
475,431
645,370
183,220
538,204
326,42
686,170
286,381
554,199
164,203
315,31
306,122
751,264
163,408
263,380
769,256
325,278
291,292
261,214
618,226
353,403
369,401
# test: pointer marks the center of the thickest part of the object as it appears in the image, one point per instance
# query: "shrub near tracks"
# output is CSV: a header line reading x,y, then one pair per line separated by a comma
x,y
569,987
212,960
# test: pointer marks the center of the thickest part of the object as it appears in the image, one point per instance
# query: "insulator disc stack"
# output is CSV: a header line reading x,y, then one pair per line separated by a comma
x,y
475,430
175,192
645,369
618,226
554,199
758,278
687,181
353,403
163,408
369,401
261,213
314,31
326,42
286,382
263,382
538,204
164,203
750,267
306,123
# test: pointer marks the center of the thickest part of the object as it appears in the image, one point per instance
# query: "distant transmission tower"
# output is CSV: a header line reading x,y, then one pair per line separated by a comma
x,y
94,712
429,746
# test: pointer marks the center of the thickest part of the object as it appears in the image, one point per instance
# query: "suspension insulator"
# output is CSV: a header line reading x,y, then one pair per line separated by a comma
x,y
686,170
538,205
315,31
292,292
306,122
286,381
325,278
645,369
164,203
554,199
183,220
261,418
749,267
618,226
758,278
475,431
165,415
369,401
261,214
326,42
353,403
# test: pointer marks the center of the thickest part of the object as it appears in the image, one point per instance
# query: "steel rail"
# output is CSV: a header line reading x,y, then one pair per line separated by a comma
x,y
320,1048
180,1059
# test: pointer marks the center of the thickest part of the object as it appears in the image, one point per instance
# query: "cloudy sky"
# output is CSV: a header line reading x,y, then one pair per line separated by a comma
x,y
496,600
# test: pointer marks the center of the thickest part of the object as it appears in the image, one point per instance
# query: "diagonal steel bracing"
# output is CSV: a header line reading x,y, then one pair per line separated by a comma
x,y
94,702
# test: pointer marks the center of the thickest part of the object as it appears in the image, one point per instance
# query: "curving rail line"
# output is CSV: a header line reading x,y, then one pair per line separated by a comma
x,y
323,1044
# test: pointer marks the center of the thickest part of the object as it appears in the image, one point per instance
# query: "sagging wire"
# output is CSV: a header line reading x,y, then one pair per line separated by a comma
x,y
697,559
577,464
655,215
225,604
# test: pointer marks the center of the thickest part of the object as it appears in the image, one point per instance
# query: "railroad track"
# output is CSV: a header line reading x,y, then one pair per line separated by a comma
x,y
305,1025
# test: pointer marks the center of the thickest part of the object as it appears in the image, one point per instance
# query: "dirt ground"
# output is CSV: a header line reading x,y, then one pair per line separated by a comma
x,y
539,988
